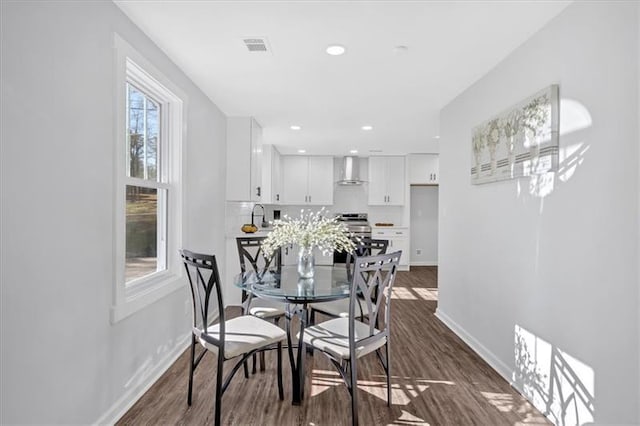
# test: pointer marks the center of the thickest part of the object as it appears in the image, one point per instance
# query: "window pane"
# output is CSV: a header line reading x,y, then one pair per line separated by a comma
x,y
142,232
144,131
153,131
136,127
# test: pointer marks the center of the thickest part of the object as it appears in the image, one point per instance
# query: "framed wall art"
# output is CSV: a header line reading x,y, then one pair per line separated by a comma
x,y
521,141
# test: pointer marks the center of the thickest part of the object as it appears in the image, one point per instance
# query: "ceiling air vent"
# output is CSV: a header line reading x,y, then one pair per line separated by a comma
x,y
257,44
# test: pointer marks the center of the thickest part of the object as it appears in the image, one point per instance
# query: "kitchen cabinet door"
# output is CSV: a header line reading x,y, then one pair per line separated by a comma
x,y
295,170
386,181
307,180
290,255
423,169
256,161
244,155
377,181
271,175
321,259
276,177
320,181
398,240
395,181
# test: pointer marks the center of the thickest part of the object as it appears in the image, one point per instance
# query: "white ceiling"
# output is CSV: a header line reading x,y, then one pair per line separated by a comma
x,y
450,46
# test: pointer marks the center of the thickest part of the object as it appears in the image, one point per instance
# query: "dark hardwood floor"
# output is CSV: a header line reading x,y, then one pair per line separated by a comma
x,y
436,380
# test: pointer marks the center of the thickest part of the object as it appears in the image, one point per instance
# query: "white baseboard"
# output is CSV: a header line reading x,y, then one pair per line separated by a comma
x,y
478,348
425,263
132,395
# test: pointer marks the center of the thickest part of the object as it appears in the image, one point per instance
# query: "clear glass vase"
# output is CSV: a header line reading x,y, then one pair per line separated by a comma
x,y
306,262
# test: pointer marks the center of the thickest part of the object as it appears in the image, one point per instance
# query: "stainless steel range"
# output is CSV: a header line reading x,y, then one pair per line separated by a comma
x,y
358,224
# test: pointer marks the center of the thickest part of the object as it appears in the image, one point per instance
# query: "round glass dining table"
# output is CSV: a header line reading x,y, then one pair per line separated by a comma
x,y
328,283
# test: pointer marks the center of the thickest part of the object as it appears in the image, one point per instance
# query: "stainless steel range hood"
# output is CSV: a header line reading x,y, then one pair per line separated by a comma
x,y
350,172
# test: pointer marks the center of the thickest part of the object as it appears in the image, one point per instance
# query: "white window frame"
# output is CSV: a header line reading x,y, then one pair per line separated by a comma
x,y
131,67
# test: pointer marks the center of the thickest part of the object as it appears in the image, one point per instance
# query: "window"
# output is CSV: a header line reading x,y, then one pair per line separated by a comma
x,y
146,188
148,201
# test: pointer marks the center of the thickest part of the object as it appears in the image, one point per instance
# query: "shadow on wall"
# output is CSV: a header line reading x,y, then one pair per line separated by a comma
x,y
558,385
574,117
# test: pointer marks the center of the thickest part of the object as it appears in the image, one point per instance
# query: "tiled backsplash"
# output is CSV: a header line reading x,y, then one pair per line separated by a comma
x,y
239,213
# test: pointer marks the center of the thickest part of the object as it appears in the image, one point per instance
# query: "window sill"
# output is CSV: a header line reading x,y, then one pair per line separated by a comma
x,y
138,300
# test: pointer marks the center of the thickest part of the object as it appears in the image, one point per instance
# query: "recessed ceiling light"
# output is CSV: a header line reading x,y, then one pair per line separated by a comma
x,y
354,151
436,137
295,127
400,50
336,50
302,151
367,127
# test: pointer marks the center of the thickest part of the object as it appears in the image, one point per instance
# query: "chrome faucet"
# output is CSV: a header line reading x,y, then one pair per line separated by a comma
x,y
264,223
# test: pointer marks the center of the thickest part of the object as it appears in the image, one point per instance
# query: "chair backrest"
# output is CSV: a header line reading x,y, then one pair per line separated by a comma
x,y
365,247
204,281
251,255
373,279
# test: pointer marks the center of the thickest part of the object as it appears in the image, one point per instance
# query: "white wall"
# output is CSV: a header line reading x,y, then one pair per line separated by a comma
x,y
638,121
62,360
557,273
424,225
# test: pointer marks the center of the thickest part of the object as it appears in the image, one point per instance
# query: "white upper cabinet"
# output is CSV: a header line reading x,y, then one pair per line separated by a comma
x,y
295,172
271,175
321,180
423,169
244,159
386,181
307,180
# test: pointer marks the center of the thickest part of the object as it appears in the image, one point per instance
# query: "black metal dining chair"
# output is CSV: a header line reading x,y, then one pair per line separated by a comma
x,y
238,337
252,258
345,340
340,308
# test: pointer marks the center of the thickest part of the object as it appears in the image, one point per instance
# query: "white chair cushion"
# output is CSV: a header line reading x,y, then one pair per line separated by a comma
x,y
333,337
243,334
265,308
340,308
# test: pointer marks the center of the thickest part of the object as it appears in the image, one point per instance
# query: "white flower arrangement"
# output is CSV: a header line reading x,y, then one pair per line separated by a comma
x,y
308,231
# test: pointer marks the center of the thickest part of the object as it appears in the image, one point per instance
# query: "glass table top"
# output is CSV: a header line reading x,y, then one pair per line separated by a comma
x,y
328,283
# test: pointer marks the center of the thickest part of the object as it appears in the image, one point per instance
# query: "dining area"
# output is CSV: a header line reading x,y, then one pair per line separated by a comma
x,y
366,279
321,344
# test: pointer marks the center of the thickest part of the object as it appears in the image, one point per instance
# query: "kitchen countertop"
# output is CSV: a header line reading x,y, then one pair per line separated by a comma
x,y
263,232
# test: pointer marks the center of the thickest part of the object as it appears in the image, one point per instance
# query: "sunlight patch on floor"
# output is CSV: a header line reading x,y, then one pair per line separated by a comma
x,y
415,293
403,389
427,293
407,418
502,401
400,394
321,380
402,293
506,403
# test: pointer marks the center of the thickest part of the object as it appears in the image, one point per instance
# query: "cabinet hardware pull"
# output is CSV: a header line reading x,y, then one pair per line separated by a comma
x,y
258,191
277,197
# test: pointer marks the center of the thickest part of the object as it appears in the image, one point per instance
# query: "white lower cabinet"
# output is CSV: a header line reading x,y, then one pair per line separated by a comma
x,y
398,240
290,256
